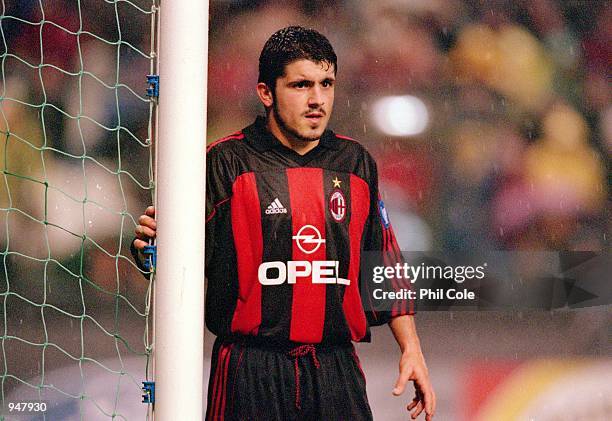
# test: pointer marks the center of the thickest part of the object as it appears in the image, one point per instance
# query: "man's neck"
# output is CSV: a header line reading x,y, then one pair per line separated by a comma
x,y
301,147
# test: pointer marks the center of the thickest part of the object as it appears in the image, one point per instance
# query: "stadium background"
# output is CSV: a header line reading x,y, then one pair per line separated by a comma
x,y
515,155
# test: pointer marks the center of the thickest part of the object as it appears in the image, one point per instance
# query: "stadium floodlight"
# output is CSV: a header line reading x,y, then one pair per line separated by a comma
x,y
179,283
404,115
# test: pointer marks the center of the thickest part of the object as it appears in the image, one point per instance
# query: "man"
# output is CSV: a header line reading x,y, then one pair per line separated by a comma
x,y
290,208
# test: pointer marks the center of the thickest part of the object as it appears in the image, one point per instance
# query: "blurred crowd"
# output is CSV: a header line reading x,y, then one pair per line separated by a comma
x,y
515,154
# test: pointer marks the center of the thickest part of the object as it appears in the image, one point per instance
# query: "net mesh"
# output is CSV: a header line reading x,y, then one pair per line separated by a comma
x,y
76,132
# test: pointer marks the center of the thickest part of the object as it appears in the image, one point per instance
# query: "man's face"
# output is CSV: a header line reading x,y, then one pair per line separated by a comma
x,y
304,98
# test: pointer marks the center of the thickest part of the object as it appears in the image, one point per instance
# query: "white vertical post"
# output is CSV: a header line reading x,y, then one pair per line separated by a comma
x,y
181,173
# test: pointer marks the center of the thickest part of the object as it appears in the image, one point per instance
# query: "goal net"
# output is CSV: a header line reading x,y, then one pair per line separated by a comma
x,y
76,159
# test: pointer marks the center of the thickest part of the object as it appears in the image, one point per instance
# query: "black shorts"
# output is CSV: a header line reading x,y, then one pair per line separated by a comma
x,y
255,381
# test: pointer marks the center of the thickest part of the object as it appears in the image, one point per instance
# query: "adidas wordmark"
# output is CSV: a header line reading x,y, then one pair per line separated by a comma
x,y
275,207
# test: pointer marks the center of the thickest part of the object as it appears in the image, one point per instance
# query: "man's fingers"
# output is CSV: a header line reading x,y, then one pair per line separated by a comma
x,y
417,410
144,233
427,398
432,410
140,244
400,384
413,403
428,394
145,230
147,221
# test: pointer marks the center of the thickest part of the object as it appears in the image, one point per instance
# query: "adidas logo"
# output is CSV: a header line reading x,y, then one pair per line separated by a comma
x,y
275,207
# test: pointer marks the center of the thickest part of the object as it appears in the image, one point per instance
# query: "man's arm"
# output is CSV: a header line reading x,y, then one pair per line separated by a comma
x,y
412,367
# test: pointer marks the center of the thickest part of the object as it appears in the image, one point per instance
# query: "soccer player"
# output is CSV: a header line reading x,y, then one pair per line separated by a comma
x,y
290,208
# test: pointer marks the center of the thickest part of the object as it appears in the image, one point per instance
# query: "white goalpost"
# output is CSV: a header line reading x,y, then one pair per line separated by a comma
x,y
179,281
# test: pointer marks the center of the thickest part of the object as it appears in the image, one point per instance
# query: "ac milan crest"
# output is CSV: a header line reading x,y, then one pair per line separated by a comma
x,y
337,205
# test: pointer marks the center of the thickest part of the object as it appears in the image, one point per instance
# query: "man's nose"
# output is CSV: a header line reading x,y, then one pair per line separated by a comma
x,y
315,98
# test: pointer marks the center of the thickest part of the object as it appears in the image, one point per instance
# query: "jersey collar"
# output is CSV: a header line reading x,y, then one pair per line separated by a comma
x,y
263,140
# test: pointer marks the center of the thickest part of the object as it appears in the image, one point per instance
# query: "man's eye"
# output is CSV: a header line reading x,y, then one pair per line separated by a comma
x,y
327,83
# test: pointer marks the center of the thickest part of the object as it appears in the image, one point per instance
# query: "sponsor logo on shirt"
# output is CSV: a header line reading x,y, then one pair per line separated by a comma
x,y
319,272
308,239
275,207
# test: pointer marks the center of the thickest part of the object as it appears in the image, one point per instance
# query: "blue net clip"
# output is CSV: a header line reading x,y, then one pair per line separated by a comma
x,y
153,89
149,389
150,254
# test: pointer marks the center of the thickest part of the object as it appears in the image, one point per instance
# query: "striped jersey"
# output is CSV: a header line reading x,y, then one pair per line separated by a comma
x,y
285,235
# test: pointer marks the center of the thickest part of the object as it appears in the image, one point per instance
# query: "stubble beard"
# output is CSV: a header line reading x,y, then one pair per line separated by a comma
x,y
285,127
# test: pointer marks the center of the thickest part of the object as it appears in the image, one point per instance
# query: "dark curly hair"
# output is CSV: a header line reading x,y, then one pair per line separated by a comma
x,y
290,44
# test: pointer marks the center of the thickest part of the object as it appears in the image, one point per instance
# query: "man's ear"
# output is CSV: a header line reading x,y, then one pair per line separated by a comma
x,y
265,94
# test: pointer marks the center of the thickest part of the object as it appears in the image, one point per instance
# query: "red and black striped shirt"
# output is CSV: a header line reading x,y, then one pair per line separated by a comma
x,y
284,238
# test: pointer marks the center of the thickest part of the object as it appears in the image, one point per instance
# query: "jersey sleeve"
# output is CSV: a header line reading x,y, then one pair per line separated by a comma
x,y
218,195
381,245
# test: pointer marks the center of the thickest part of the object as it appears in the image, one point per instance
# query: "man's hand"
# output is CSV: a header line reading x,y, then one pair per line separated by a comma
x,y
146,229
412,367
